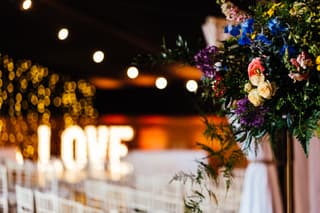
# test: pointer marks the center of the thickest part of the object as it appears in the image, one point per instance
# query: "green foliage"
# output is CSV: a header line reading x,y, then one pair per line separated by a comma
x,y
180,53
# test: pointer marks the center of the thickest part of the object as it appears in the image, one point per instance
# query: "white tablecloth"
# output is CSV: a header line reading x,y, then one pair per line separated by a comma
x,y
164,161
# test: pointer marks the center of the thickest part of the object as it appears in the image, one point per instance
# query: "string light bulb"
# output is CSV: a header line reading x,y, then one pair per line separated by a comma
x,y
26,4
132,72
161,83
192,86
63,34
98,56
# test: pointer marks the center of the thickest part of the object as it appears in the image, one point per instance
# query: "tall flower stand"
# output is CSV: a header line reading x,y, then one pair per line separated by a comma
x,y
284,155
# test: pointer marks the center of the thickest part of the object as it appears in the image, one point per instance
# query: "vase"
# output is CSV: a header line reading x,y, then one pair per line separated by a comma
x,y
283,151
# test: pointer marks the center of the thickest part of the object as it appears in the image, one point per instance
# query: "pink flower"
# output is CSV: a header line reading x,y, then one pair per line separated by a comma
x,y
299,76
304,60
295,63
255,67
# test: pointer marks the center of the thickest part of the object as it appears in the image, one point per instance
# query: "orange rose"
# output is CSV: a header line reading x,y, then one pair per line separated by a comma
x,y
255,67
255,98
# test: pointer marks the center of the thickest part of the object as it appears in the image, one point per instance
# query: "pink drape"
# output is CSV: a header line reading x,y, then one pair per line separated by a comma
x,y
307,178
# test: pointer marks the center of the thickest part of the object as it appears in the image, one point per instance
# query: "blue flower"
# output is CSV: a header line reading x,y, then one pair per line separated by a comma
x,y
232,30
291,50
244,40
247,26
262,38
275,26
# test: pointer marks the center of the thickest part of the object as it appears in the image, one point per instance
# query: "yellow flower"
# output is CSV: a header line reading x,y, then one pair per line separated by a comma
x,y
270,12
254,34
318,62
247,87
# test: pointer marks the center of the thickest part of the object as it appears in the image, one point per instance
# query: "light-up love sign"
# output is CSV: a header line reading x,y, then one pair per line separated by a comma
x,y
78,145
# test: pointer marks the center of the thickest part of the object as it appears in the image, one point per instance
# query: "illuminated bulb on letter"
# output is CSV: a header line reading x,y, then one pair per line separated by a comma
x,y
44,135
117,134
68,137
97,146
19,158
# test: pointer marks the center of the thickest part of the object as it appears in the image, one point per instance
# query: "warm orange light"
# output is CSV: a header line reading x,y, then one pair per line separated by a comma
x,y
143,80
106,83
153,138
185,72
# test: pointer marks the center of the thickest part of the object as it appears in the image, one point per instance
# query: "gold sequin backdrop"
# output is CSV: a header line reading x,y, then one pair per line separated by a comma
x,y
31,95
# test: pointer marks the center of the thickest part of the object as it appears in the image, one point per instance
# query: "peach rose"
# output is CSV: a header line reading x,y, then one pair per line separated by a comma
x,y
255,98
256,79
247,87
265,90
255,67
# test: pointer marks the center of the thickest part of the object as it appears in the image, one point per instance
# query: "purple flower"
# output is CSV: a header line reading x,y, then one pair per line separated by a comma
x,y
250,116
205,61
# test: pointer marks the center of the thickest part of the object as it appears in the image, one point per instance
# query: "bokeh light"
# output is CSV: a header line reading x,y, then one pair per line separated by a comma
x,y
63,34
192,86
161,83
98,56
132,72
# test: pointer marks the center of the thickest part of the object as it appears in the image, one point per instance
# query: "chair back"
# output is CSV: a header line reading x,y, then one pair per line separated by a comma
x,y
25,199
4,189
45,202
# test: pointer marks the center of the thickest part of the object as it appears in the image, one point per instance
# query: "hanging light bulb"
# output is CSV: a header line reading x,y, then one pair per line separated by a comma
x,y
63,34
192,86
98,56
26,4
161,83
132,72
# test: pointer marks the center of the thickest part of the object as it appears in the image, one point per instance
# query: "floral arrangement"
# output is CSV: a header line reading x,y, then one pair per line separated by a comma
x,y
265,76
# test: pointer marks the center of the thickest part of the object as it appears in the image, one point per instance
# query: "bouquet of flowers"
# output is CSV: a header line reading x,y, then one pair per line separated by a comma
x,y
266,75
